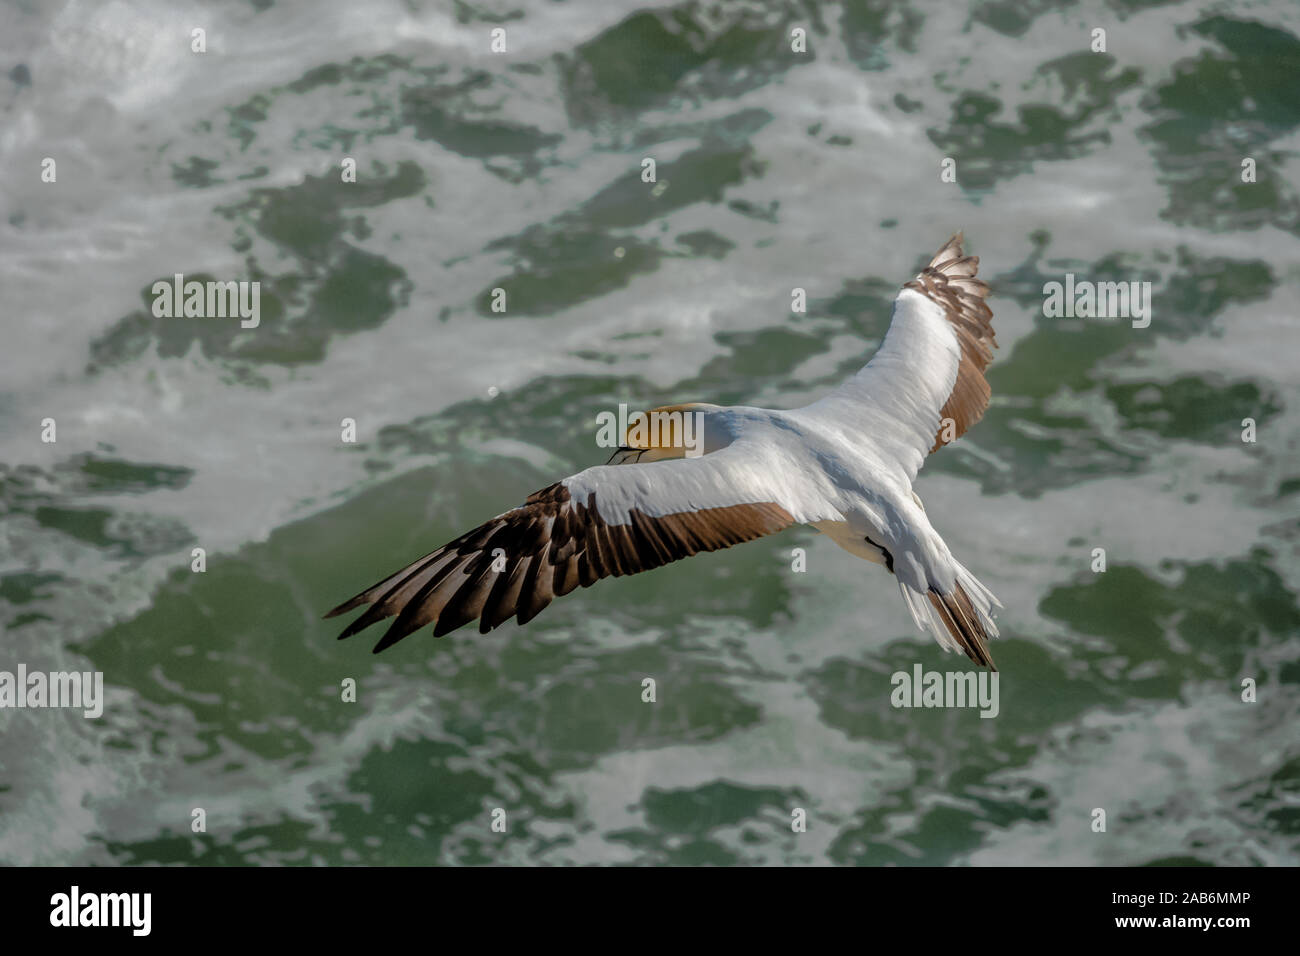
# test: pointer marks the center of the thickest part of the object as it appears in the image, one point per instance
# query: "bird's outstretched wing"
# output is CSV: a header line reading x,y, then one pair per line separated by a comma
x,y
610,520
925,385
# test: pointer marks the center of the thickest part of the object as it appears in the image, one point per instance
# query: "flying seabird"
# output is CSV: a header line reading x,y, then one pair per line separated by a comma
x,y
844,464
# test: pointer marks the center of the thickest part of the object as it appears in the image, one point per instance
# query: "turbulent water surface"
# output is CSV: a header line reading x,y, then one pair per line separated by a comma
x,y
521,171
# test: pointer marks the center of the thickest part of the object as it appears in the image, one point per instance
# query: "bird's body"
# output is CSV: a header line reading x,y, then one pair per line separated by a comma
x,y
844,464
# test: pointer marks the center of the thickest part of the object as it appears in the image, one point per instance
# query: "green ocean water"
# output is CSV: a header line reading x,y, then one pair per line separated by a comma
x,y
521,171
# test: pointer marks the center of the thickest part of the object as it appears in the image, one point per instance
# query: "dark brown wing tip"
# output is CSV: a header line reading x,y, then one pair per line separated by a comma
x,y
343,608
950,281
387,641
954,244
950,250
554,546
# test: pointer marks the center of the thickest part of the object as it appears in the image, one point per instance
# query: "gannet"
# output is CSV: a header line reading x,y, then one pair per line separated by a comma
x,y
844,464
